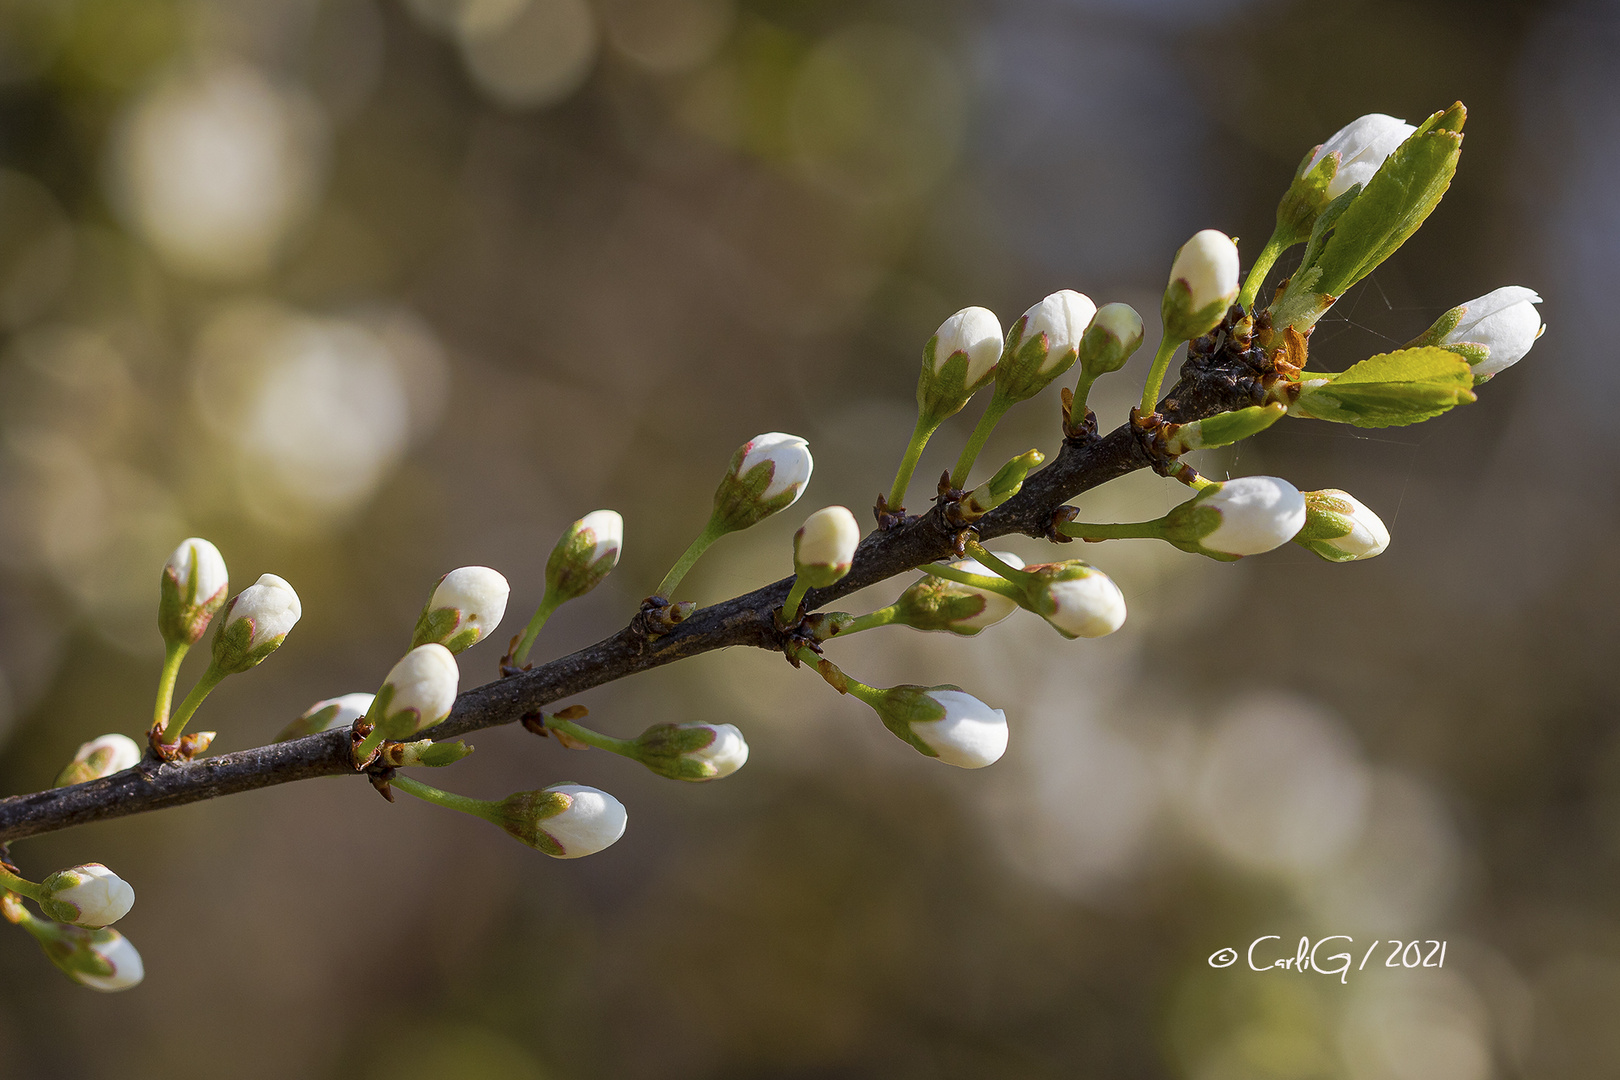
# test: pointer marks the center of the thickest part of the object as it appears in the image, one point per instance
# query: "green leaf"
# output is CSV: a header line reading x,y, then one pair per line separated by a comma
x,y
1397,200
1389,390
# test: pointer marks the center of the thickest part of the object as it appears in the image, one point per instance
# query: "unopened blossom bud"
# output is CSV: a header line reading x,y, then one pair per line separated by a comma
x,y
692,751
585,554
1339,528
945,723
466,606
1007,482
824,547
1358,149
958,361
1203,284
1043,344
1245,516
417,694
100,757
328,715
255,624
566,821
1492,332
1077,599
1115,333
768,473
100,959
191,590
937,604
90,896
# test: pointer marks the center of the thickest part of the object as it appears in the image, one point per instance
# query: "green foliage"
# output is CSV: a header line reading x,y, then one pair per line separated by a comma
x,y
1390,389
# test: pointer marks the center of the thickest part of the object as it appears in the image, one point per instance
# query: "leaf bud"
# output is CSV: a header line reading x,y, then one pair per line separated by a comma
x,y
256,622
466,606
958,361
191,589
824,547
424,753
767,474
1339,528
100,757
1007,482
90,895
1203,285
584,555
692,751
1245,516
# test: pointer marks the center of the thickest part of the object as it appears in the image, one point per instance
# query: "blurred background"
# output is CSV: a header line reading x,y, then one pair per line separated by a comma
x,y
363,290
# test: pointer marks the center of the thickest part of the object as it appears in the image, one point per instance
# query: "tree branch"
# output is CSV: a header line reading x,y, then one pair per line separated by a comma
x,y
1207,386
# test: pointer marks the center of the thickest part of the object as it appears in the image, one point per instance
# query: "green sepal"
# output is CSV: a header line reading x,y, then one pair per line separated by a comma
x,y
663,749
943,394
1389,390
1187,524
570,570
1326,518
1019,376
69,948
397,726
439,625
521,814
1184,324
936,604
1305,198
1301,304
739,502
901,706
231,653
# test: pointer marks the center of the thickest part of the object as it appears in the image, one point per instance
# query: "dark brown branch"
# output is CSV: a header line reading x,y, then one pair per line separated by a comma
x,y
1206,388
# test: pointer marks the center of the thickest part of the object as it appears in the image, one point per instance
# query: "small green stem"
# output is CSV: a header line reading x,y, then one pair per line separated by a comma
x,y
880,617
999,404
547,606
1155,379
177,723
1279,243
1082,392
173,653
1133,530
622,747
790,606
711,532
21,886
429,793
902,479
978,581
979,552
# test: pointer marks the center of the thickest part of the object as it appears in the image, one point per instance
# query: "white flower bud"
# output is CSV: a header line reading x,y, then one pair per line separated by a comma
x,y
1043,344
1114,333
191,590
584,555
692,751
937,604
466,606
975,334
1203,285
1079,600
824,547
768,473
958,361
1362,146
91,896
1504,322
1339,528
970,735
328,715
100,757
566,821
1245,516
112,949
256,621
418,692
